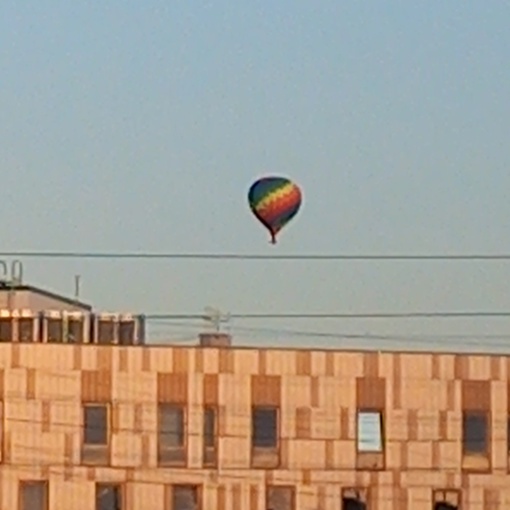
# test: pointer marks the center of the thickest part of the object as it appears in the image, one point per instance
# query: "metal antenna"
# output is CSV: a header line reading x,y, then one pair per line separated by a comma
x,y
215,317
5,271
77,281
16,272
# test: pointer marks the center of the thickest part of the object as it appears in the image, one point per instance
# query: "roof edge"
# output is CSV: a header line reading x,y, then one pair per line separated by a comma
x,y
47,293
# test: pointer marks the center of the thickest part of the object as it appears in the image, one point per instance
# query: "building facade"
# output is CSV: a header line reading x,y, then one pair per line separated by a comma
x,y
112,427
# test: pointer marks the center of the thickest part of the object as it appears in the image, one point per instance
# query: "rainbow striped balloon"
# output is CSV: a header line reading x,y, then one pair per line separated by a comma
x,y
274,201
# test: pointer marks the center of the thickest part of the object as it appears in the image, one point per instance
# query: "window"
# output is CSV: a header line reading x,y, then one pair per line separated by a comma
x,y
75,331
5,330
171,434
474,433
108,496
370,431
171,426
105,331
445,499
508,435
95,447
279,498
354,499
185,497
265,453
33,495
370,440
95,424
264,427
126,332
26,330
353,504
209,427
209,436
54,330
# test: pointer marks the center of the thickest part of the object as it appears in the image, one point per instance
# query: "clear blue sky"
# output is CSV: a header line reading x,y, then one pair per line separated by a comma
x,y
140,126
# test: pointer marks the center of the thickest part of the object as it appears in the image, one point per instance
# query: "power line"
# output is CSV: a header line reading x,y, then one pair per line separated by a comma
x,y
303,332
466,343
371,343
239,256
403,315
502,340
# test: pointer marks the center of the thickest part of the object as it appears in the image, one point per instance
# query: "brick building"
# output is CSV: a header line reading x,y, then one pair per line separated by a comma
x,y
127,427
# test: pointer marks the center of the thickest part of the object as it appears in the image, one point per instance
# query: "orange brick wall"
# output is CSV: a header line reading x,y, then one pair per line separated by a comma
x,y
41,387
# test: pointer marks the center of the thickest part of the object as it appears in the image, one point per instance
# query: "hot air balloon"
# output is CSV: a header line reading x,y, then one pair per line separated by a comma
x,y
274,201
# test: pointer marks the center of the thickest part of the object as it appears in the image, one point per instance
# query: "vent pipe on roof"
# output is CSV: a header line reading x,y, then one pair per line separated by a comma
x,y
77,281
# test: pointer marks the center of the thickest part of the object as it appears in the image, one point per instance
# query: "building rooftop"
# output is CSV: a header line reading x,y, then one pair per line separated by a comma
x,y
36,298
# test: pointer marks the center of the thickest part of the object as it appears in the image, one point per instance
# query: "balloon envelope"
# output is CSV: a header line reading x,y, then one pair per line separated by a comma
x,y
274,201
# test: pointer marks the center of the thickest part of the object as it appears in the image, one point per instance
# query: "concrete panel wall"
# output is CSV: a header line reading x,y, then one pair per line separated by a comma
x,y
42,388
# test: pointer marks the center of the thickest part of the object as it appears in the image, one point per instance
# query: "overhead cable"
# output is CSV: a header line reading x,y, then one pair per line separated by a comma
x,y
398,315
240,256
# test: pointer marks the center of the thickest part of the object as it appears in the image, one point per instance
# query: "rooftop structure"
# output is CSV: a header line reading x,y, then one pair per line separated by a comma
x,y
16,295
30,314
36,299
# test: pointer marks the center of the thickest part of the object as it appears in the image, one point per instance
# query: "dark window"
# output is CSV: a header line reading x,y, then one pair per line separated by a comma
x,y
26,330
370,431
279,498
126,332
354,498
54,329
171,426
108,497
33,495
95,424
210,436
105,332
75,331
474,433
185,497
264,427
5,330
209,427
353,504
446,499
508,435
